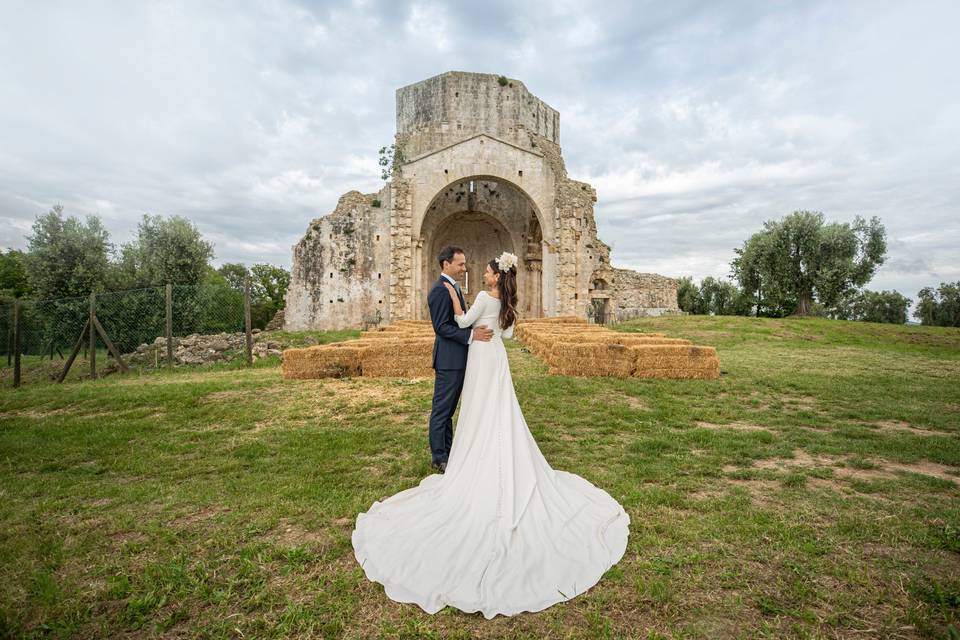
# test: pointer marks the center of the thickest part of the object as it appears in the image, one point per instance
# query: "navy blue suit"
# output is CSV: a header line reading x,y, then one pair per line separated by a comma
x,y
449,363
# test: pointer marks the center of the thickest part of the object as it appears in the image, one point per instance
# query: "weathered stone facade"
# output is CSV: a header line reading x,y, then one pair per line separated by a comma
x,y
478,165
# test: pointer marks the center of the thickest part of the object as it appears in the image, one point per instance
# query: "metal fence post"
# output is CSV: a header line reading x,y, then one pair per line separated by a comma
x,y
169,327
93,336
246,319
16,343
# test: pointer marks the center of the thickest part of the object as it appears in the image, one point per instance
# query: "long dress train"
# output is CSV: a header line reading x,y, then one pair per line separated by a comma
x,y
501,532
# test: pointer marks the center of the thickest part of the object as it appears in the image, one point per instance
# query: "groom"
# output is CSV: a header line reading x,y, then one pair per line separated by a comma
x,y
449,353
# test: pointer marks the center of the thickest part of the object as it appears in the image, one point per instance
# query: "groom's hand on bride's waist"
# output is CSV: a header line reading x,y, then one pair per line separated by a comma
x,y
482,333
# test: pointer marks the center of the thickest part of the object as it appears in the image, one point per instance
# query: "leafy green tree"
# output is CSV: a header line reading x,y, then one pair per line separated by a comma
x,y
269,283
872,306
800,260
66,257
268,288
234,274
713,297
687,292
941,307
13,275
166,250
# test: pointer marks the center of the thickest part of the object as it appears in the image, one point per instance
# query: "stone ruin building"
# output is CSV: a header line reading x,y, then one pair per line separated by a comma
x,y
477,164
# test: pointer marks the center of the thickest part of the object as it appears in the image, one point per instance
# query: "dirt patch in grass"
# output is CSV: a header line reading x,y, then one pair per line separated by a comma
x,y
38,413
201,515
927,468
761,491
875,469
899,426
800,403
291,534
736,426
351,392
800,459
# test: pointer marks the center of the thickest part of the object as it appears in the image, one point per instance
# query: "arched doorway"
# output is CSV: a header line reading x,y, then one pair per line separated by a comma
x,y
485,216
479,235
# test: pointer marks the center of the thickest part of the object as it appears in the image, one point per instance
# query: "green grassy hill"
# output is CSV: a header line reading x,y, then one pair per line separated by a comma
x,y
812,491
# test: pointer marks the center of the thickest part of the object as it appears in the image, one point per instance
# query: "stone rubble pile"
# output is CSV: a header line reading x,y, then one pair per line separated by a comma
x,y
202,349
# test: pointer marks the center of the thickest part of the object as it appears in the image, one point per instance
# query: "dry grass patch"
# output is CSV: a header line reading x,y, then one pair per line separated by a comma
x,y
289,533
735,426
899,426
875,469
193,518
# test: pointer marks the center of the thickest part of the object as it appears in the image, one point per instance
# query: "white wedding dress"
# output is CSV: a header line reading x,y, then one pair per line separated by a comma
x,y
501,532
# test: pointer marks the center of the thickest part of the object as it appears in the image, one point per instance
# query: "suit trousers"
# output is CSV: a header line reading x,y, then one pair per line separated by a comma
x,y
447,386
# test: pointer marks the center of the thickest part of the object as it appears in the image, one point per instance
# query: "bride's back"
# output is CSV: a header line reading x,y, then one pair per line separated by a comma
x,y
489,312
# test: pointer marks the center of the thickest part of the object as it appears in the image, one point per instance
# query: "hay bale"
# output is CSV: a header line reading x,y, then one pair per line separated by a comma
x,y
406,358
321,362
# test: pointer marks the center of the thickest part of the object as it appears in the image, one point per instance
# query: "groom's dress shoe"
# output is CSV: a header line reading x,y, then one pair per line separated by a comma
x,y
439,468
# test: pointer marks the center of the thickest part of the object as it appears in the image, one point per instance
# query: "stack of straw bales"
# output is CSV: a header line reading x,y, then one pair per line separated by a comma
x,y
569,345
402,350
572,347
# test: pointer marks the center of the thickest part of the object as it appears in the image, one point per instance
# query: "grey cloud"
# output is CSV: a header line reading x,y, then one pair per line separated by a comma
x,y
696,121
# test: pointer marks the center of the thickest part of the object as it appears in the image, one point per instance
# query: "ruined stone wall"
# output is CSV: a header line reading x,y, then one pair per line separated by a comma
x,y
634,293
341,266
576,251
454,106
401,249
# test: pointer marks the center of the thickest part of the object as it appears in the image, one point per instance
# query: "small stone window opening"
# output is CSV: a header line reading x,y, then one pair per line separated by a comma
x,y
331,274
331,302
331,236
445,171
575,296
379,301
520,173
456,95
379,276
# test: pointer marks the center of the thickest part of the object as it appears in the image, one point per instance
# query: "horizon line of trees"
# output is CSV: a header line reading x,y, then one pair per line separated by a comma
x,y
67,257
801,265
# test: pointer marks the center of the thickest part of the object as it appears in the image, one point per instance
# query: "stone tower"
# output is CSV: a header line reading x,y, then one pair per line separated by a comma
x,y
477,164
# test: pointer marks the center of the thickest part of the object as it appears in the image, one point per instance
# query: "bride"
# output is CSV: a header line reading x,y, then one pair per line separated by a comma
x,y
501,532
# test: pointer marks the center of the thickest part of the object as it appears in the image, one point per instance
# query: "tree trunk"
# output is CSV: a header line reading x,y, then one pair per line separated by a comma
x,y
804,305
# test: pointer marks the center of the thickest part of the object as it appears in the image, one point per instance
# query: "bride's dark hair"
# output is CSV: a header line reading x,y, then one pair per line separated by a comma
x,y
508,294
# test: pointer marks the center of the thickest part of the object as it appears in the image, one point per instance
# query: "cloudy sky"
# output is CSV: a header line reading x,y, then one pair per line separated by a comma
x,y
695,121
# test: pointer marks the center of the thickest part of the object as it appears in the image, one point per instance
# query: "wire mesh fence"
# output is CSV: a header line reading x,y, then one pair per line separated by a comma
x,y
57,328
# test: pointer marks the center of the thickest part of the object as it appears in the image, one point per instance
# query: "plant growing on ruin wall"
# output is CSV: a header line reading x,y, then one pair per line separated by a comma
x,y
390,158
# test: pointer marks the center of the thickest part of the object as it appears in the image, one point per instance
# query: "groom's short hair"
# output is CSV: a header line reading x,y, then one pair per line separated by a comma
x,y
447,253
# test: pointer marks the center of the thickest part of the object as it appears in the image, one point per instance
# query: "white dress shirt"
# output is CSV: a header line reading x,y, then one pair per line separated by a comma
x,y
454,283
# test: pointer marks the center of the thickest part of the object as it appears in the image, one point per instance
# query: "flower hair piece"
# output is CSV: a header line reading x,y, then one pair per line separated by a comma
x,y
506,261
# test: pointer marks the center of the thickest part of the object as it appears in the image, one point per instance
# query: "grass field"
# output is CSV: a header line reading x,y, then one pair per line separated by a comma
x,y
812,491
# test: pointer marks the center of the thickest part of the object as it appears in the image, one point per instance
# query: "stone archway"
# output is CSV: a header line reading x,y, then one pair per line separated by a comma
x,y
485,216
479,235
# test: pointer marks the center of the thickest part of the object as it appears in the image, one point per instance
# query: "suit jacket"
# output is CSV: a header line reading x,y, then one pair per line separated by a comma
x,y
450,343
